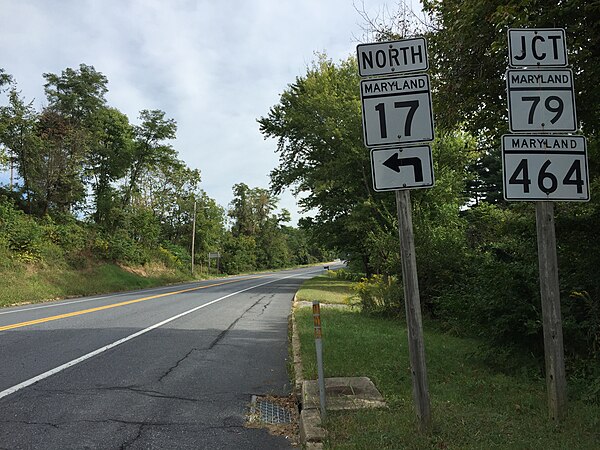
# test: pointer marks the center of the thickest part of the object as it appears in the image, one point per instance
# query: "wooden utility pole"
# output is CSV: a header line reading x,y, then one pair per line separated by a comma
x,y
556,383
414,321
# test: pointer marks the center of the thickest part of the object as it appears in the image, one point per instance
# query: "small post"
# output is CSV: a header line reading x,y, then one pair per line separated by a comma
x,y
414,321
319,347
556,384
193,236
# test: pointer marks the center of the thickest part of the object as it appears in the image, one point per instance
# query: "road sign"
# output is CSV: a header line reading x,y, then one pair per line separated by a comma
x,y
545,167
541,100
402,168
386,58
537,47
396,110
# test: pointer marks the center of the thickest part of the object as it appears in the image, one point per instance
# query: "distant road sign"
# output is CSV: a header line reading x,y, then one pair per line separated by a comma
x,y
537,47
396,110
394,57
541,100
402,168
545,167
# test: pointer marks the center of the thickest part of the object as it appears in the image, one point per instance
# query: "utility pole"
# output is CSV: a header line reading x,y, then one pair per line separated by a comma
x,y
193,236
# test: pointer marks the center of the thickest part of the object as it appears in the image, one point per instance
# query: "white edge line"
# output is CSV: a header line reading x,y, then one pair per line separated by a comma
x,y
26,383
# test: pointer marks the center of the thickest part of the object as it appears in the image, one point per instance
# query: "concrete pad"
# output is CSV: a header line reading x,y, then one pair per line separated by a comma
x,y
310,426
343,393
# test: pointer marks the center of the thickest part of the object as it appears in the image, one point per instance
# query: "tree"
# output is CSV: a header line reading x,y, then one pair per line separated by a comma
x,y
468,52
149,148
250,209
317,124
76,94
109,157
18,134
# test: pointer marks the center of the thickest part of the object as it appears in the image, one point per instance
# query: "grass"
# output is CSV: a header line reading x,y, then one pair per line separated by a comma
x,y
22,283
327,290
473,406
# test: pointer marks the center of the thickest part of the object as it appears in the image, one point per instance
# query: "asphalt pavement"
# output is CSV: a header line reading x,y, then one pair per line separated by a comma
x,y
167,368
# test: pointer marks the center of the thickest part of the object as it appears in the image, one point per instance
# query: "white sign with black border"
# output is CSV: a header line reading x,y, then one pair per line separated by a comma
x,y
541,100
396,110
537,47
392,57
402,168
545,167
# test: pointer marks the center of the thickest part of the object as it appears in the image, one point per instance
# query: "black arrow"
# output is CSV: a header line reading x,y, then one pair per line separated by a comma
x,y
394,163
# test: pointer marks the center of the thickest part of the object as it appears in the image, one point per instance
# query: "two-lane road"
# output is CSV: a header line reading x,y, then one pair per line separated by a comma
x,y
172,367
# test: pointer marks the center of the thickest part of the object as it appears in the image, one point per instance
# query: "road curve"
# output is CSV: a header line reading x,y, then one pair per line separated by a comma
x,y
170,367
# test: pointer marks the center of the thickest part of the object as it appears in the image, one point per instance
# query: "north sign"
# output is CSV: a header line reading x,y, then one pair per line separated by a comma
x,y
393,57
402,168
537,47
396,110
545,167
541,100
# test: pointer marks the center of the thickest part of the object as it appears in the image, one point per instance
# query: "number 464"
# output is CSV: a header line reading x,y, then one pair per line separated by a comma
x,y
546,180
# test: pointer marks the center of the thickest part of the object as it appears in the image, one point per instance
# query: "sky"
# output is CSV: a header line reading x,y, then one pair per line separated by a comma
x,y
215,66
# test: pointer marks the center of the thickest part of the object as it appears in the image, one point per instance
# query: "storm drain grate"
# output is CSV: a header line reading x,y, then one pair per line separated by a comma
x,y
271,412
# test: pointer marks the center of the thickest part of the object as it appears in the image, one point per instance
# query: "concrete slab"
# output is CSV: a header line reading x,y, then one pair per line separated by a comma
x,y
310,426
343,393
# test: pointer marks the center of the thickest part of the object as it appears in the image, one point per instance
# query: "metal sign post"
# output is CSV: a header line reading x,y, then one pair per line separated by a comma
x,y
319,348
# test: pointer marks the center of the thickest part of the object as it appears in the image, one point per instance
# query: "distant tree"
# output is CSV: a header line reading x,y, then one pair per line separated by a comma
x,y
250,209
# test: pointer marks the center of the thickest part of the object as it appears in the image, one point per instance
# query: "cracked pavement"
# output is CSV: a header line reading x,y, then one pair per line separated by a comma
x,y
186,384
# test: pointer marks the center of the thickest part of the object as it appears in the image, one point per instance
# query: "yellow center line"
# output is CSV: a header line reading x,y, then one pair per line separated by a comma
x,y
116,305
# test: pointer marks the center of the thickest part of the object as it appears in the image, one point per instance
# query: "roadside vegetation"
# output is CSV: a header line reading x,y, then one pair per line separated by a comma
x,y
474,404
94,202
476,253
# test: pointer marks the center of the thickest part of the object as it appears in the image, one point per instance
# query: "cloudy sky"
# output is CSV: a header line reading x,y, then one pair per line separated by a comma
x,y
214,66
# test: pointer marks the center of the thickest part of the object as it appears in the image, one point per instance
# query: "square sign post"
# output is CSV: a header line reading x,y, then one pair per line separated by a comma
x,y
543,168
397,111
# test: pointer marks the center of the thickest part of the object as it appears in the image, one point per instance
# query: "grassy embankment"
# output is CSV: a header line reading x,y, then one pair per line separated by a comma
x,y
474,407
32,283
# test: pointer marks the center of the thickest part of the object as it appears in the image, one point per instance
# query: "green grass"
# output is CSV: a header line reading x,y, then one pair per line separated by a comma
x,y
22,283
327,290
473,406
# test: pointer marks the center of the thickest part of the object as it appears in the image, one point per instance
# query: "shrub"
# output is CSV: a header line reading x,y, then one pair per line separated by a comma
x,y
344,274
22,235
380,294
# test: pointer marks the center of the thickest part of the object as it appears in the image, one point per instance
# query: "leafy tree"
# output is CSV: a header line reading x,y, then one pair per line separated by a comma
x,y
76,94
317,125
150,148
109,157
468,51
250,209
18,134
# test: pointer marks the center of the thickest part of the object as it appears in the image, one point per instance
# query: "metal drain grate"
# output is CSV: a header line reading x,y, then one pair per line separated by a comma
x,y
270,412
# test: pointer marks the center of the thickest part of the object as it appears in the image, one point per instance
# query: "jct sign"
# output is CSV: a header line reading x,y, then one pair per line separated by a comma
x,y
537,47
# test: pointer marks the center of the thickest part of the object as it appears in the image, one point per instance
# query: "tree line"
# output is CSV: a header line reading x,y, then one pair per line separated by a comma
x,y
476,253
88,184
